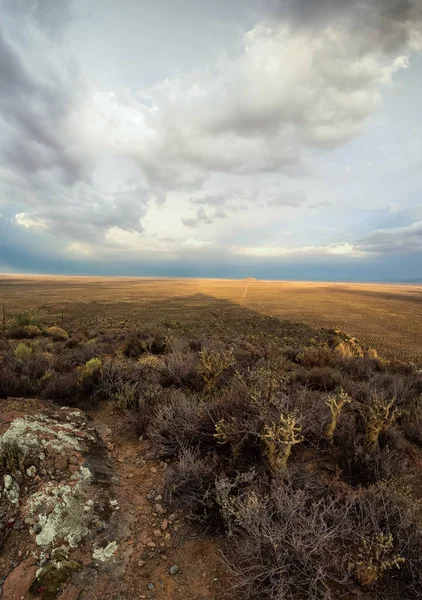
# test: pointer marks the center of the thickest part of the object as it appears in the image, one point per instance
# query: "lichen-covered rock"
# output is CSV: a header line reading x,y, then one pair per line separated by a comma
x,y
56,497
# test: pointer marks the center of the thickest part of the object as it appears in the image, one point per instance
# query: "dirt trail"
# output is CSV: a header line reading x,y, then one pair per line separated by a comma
x,y
156,540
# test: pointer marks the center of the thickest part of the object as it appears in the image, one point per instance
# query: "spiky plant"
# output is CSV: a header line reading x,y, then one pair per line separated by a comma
x,y
279,439
379,414
212,365
335,404
376,556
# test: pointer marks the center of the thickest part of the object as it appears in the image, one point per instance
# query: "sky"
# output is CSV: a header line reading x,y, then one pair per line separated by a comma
x,y
276,139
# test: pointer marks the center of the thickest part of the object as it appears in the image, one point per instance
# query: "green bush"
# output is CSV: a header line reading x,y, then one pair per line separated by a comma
x,y
23,352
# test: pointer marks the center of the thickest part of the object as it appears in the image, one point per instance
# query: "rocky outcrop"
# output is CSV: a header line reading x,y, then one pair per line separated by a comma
x,y
57,501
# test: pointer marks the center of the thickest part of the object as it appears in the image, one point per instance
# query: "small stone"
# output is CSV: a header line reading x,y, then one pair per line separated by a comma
x,y
31,471
36,528
130,476
150,586
164,525
156,532
141,563
153,469
158,498
174,570
152,545
160,509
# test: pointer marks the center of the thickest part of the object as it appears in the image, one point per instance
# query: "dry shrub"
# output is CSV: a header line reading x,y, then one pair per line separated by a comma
x,y
25,325
247,354
361,368
34,367
309,406
179,369
10,382
190,486
32,331
151,361
316,356
301,539
389,508
322,379
363,466
64,389
153,341
138,404
57,333
175,424
284,541
412,421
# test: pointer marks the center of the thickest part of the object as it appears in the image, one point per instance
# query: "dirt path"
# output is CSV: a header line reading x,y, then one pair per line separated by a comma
x,y
155,540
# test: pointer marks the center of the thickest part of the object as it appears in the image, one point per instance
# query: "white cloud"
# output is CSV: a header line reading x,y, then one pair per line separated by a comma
x,y
280,251
80,249
193,243
25,220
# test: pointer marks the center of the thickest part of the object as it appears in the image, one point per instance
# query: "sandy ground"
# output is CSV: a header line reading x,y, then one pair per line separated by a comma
x,y
386,316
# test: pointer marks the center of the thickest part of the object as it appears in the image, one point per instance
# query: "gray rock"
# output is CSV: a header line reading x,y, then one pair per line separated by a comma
x,y
8,482
174,570
150,586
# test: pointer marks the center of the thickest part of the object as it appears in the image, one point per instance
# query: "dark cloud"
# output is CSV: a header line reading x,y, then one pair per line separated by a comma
x,y
403,240
87,215
34,107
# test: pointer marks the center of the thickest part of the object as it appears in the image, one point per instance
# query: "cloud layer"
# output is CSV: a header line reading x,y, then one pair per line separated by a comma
x,y
233,150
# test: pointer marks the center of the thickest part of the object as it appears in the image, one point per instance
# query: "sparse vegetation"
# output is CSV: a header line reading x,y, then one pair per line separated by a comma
x,y
301,445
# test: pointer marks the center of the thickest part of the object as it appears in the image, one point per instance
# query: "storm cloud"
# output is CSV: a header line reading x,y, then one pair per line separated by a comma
x,y
262,139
